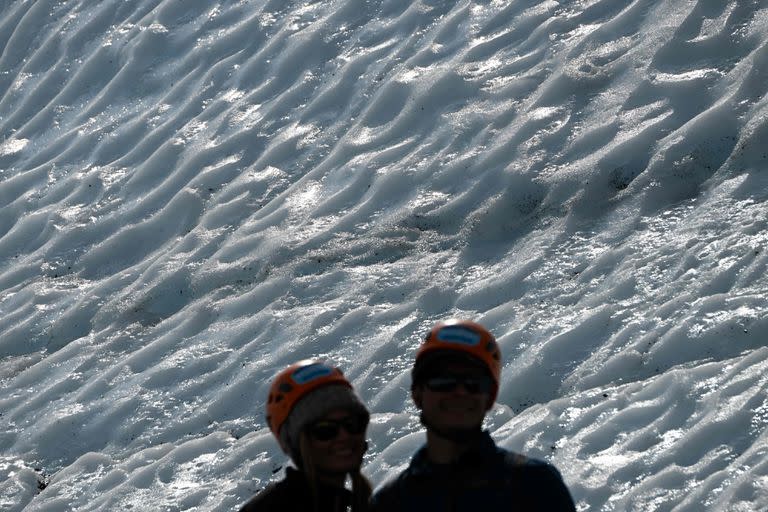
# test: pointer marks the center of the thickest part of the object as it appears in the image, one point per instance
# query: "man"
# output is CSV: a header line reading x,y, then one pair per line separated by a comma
x,y
320,422
455,380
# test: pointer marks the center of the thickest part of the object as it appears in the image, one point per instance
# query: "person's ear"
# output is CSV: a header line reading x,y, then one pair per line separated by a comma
x,y
416,392
491,398
285,445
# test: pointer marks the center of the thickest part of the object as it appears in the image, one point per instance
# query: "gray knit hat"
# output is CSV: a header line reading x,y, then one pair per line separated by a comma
x,y
314,406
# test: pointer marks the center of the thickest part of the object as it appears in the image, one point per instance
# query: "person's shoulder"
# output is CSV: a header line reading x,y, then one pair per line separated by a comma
x,y
275,496
391,486
387,494
538,478
519,462
390,496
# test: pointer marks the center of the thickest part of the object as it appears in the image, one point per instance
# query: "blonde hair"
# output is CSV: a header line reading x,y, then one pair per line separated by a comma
x,y
361,487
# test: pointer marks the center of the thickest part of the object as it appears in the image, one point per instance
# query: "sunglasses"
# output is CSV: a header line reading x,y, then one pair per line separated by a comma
x,y
325,430
447,383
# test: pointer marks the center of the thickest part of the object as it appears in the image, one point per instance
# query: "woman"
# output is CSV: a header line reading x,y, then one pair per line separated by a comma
x,y
320,423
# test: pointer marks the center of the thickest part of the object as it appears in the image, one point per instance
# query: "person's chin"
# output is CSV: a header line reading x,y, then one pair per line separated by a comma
x,y
461,417
460,427
347,466
345,460
458,422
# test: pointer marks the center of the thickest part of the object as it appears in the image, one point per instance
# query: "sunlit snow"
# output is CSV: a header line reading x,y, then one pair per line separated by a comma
x,y
195,194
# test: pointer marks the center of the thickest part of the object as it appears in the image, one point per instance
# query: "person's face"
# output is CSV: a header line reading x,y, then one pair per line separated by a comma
x,y
337,442
454,396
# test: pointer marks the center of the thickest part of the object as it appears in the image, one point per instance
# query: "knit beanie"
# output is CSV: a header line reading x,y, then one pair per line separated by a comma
x,y
314,406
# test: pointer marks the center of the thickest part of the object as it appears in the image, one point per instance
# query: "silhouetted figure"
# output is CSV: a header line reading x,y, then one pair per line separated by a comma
x,y
320,423
455,380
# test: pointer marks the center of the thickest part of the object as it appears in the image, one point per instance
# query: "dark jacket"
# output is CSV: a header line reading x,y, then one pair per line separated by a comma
x,y
295,493
486,478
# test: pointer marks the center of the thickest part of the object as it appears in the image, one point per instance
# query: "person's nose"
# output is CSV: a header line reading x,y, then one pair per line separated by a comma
x,y
343,434
461,389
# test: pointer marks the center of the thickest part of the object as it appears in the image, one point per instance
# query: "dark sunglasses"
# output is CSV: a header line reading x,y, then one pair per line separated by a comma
x,y
325,430
447,383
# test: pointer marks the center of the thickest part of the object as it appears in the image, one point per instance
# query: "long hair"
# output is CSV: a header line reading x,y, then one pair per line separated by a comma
x,y
361,487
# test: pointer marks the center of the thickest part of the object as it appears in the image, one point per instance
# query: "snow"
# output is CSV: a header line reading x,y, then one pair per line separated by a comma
x,y
195,194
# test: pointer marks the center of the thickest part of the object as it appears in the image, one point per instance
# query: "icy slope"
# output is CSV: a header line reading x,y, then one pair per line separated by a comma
x,y
194,194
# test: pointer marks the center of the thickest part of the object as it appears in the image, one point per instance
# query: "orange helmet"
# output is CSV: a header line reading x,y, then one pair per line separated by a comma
x,y
465,337
293,383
